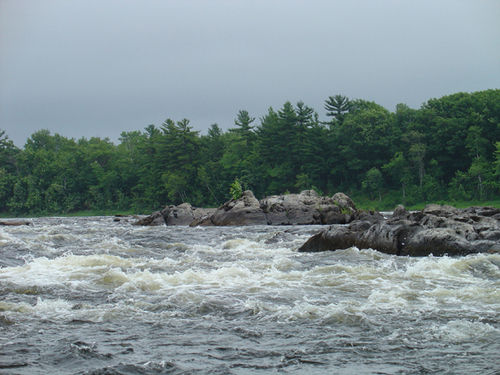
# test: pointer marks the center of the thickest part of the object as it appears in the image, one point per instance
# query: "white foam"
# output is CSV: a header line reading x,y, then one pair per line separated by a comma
x,y
457,331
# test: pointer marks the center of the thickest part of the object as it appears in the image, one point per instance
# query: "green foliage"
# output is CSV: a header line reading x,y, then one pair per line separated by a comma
x,y
373,183
337,106
235,190
446,151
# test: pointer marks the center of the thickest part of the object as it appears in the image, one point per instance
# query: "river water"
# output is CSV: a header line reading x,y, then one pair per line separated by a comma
x,y
94,296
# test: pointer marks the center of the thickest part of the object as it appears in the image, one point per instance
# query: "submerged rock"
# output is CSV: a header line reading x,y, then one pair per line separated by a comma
x,y
436,230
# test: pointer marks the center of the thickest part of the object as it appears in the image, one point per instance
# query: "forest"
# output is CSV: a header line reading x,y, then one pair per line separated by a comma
x,y
446,151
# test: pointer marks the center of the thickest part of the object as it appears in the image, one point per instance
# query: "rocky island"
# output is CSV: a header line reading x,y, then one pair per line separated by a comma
x,y
306,208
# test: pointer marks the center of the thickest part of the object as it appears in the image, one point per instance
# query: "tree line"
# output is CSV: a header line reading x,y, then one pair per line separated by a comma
x,y
449,150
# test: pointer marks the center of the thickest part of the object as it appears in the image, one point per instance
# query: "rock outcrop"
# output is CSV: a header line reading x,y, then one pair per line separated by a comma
x,y
153,220
437,230
184,214
243,211
308,208
305,208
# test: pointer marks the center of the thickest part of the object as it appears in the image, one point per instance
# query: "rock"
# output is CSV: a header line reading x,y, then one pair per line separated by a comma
x,y
153,220
119,218
332,214
436,230
494,249
204,221
441,211
345,203
306,208
438,242
14,223
485,211
293,209
184,214
400,210
243,211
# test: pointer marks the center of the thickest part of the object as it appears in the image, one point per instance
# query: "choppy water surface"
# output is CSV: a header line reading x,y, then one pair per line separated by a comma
x,y
91,296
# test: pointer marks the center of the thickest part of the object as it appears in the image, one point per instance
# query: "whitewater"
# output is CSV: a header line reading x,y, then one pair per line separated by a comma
x,y
95,296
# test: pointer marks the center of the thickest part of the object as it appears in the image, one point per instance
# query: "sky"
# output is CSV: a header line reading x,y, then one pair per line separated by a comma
x,y
97,68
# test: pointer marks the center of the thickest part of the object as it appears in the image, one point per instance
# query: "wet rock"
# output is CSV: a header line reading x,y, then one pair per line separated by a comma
x,y
153,220
437,230
204,221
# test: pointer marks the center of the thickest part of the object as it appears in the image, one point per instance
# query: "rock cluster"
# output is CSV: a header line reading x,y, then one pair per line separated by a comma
x,y
437,230
183,214
305,208
292,209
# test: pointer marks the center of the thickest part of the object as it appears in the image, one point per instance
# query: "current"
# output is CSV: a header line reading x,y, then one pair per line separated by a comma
x,y
95,296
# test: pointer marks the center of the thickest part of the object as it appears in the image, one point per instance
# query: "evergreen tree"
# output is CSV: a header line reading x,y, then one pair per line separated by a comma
x,y
337,106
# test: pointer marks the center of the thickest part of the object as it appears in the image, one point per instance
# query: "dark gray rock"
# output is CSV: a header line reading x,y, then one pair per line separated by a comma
x,y
437,230
153,220
400,210
438,242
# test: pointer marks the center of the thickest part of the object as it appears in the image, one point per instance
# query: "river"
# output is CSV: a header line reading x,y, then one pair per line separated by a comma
x,y
94,296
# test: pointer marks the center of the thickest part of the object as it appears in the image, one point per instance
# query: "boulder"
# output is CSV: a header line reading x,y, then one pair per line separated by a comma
x,y
345,203
153,220
436,230
184,214
243,211
293,209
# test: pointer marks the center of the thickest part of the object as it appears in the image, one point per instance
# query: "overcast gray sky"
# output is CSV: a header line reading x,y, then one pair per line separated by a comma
x,y
85,68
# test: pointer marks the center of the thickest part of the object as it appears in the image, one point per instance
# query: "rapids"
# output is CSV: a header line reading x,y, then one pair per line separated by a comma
x,y
93,296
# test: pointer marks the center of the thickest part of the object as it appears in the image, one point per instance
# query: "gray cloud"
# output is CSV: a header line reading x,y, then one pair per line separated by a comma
x,y
97,68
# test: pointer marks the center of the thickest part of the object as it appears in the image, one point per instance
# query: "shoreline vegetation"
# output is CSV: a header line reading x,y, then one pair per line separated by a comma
x,y
366,206
446,152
